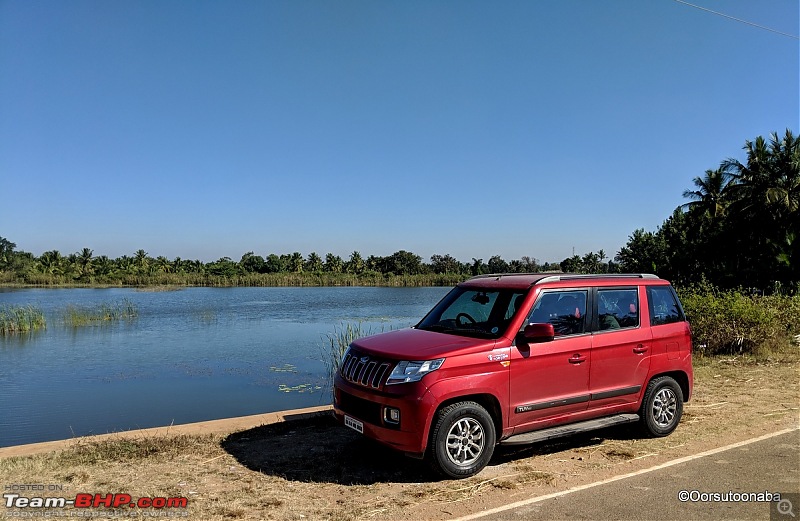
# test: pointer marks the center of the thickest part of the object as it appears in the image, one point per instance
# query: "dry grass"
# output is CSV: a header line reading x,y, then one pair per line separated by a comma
x,y
314,469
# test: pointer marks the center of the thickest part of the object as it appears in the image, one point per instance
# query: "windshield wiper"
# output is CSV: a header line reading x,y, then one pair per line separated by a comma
x,y
474,332
438,328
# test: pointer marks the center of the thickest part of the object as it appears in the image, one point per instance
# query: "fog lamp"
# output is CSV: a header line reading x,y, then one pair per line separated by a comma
x,y
391,415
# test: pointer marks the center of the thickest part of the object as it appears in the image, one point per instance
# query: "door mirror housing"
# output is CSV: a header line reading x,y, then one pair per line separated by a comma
x,y
536,333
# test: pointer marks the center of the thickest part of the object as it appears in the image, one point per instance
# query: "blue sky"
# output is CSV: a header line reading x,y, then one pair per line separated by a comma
x,y
204,129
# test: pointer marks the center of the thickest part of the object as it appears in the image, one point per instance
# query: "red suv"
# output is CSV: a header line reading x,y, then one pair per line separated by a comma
x,y
521,358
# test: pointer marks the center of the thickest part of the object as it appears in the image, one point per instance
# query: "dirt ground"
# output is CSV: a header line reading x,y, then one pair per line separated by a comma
x,y
315,469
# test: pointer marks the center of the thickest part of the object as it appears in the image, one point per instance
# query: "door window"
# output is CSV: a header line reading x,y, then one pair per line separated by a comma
x,y
664,307
617,308
566,310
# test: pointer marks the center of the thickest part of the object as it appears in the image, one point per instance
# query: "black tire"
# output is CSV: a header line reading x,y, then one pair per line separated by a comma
x,y
662,407
471,433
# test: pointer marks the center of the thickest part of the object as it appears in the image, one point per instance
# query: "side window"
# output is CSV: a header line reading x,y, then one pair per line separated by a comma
x,y
566,310
617,308
664,307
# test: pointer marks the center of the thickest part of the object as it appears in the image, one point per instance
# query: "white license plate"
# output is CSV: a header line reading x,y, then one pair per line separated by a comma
x,y
354,424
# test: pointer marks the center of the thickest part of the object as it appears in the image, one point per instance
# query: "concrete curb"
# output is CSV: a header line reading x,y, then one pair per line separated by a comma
x,y
224,426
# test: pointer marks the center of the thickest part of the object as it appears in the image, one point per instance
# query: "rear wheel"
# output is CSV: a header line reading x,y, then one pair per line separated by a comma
x,y
662,407
462,440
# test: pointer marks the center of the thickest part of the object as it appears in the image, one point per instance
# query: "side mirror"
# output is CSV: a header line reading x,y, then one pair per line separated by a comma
x,y
536,333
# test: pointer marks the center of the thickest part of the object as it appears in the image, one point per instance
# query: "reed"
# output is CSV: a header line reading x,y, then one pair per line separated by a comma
x,y
336,343
21,319
77,316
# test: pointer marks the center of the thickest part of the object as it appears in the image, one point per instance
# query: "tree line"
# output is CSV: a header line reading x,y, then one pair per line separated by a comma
x,y
85,267
739,228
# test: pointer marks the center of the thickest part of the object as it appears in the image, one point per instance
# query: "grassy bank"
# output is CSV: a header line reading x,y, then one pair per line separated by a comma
x,y
20,319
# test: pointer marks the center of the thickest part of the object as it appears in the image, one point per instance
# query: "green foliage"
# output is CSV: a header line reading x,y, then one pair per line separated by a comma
x,y
402,268
76,316
20,319
739,228
590,263
733,322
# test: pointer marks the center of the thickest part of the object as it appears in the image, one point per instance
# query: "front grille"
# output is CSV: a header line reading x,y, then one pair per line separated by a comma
x,y
365,410
364,370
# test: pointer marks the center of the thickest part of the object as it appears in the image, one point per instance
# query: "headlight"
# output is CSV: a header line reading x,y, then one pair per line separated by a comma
x,y
406,372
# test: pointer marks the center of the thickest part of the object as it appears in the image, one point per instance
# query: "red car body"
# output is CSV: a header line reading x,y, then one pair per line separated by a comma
x,y
525,385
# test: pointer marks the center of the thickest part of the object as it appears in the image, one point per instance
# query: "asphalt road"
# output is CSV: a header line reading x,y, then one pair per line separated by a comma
x,y
770,465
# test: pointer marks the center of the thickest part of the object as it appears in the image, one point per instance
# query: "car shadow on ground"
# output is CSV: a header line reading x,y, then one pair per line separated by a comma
x,y
320,450
510,453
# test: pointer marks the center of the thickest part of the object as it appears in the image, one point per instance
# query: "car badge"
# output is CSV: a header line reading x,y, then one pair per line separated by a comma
x,y
364,359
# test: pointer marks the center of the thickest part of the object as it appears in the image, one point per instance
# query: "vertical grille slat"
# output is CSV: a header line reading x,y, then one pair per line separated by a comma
x,y
364,370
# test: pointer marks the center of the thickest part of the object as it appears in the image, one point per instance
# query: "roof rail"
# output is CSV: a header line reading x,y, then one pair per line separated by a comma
x,y
575,276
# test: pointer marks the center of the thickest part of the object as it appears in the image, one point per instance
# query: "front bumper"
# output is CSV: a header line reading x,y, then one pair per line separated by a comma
x,y
368,406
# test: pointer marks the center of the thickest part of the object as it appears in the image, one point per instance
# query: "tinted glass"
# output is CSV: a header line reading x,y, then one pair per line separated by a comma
x,y
618,308
566,310
664,307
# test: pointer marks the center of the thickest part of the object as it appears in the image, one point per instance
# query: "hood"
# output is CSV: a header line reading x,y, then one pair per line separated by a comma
x,y
416,344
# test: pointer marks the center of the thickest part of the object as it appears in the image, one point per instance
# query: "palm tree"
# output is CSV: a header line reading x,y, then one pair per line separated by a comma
x,y
356,263
51,262
141,260
85,262
102,265
333,263
163,264
711,195
314,262
765,200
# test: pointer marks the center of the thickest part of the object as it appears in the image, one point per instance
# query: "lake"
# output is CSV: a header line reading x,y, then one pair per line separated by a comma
x,y
192,354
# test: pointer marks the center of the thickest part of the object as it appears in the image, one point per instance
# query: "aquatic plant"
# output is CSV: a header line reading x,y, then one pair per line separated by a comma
x,y
77,316
21,319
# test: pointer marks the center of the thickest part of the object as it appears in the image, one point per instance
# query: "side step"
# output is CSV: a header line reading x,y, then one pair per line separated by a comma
x,y
568,430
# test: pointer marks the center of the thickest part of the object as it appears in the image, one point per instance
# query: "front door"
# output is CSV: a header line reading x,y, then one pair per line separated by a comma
x,y
551,379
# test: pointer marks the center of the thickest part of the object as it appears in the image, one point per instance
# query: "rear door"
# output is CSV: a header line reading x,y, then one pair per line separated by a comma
x,y
621,346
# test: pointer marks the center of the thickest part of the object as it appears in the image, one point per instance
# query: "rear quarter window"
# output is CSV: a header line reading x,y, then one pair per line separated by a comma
x,y
664,306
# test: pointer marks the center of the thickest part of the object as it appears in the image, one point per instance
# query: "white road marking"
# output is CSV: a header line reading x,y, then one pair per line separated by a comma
x,y
678,461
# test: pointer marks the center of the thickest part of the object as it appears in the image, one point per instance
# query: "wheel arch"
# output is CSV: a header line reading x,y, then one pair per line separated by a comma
x,y
680,377
485,400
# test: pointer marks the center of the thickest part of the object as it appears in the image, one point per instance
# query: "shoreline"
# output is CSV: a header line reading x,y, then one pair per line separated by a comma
x,y
221,426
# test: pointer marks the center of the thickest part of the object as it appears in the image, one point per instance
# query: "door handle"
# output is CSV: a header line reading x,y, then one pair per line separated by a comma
x,y
577,358
640,349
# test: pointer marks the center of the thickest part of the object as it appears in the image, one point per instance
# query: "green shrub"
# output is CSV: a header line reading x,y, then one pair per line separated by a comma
x,y
731,322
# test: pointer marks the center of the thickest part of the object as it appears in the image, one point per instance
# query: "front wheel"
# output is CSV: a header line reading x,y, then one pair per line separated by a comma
x,y
662,407
462,441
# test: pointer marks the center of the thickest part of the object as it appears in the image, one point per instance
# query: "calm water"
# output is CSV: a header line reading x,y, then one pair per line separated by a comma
x,y
191,355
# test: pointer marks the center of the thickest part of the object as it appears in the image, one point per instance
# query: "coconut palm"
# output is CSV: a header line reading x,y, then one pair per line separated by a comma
x,y
51,262
710,197
85,262
141,260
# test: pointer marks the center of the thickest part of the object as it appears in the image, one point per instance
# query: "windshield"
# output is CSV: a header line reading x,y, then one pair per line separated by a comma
x,y
474,312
